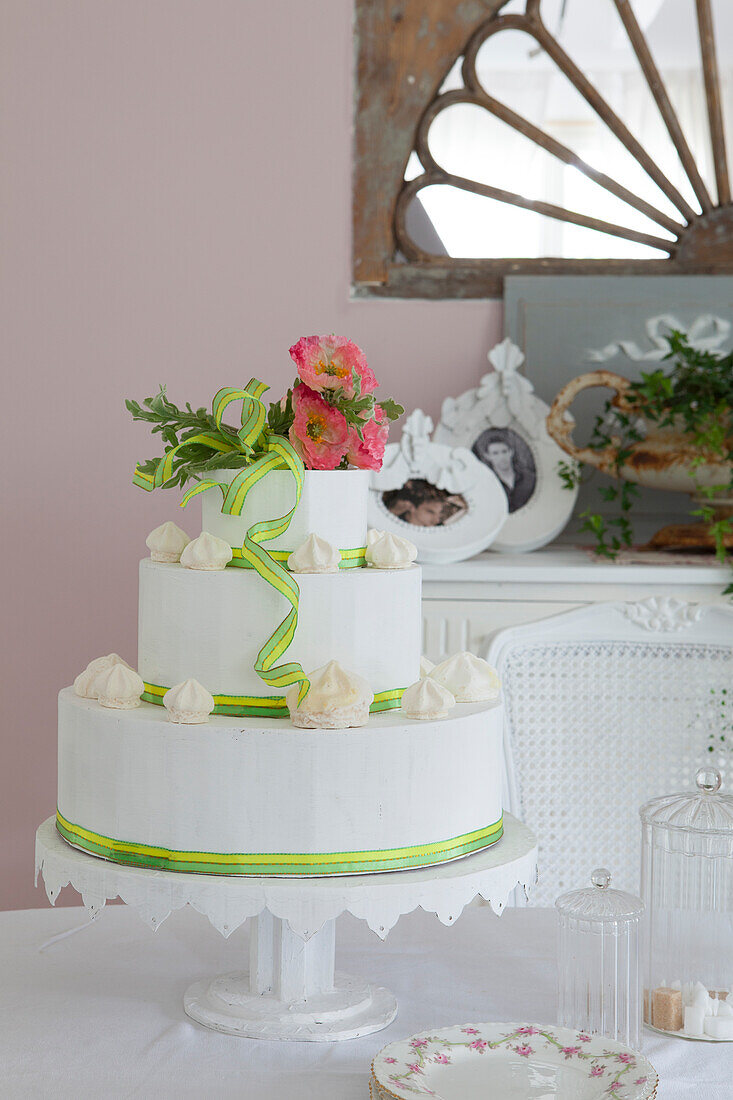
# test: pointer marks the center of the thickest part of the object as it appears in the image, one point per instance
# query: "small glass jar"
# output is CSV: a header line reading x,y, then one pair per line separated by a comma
x,y
599,976
687,884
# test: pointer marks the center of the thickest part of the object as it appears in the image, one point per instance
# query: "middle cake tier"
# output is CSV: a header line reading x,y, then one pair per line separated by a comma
x,y
211,625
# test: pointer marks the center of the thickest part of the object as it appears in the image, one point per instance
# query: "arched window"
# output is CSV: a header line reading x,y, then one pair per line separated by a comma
x,y
539,136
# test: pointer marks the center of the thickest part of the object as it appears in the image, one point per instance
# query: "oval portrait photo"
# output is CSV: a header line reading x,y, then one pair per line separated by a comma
x,y
511,459
424,505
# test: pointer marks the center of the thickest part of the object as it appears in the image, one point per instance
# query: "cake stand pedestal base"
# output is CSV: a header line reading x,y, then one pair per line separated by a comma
x,y
291,991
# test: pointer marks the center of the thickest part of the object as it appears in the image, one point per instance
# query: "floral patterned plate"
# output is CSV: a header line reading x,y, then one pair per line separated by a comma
x,y
511,1061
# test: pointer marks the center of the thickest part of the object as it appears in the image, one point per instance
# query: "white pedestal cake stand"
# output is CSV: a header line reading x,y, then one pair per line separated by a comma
x,y
291,990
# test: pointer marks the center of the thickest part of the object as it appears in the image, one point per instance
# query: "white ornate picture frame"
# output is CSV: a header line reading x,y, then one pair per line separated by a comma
x,y
502,422
440,497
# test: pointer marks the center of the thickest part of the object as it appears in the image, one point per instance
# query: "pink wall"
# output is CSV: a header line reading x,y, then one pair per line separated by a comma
x,y
176,208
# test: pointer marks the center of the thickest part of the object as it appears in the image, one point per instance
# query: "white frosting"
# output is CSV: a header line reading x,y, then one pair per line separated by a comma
x,y
469,678
207,552
390,552
426,667
189,703
315,555
333,503
119,687
373,535
212,624
427,699
260,785
167,542
84,684
337,699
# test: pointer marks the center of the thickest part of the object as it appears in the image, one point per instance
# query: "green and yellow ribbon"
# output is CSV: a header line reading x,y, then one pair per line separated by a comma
x,y
266,706
353,558
279,454
271,570
277,863
253,418
164,469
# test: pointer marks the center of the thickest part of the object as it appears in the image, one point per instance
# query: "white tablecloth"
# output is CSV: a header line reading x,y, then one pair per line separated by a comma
x,y
99,1013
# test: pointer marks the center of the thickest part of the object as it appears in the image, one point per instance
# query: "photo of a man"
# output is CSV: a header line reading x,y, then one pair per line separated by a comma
x,y
511,459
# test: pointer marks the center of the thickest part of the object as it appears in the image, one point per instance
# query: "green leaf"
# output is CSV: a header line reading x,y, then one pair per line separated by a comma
x,y
176,426
391,409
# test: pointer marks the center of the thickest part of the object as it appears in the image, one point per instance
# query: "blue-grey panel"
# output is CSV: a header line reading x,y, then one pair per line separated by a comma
x,y
558,320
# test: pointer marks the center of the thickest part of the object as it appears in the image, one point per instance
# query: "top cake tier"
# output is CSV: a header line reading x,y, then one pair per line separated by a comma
x,y
333,505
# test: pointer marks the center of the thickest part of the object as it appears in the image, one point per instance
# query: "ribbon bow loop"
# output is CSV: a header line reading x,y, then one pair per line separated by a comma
x,y
254,415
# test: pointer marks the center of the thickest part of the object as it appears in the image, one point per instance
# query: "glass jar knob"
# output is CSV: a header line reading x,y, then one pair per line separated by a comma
x,y
601,878
708,780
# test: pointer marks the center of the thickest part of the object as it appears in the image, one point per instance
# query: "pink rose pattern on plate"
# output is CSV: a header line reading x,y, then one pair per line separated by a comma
x,y
615,1066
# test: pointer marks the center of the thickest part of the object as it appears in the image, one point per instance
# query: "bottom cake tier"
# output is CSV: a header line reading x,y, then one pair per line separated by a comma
x,y
260,797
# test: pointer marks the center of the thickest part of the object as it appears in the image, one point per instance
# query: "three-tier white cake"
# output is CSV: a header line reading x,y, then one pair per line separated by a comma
x,y
246,791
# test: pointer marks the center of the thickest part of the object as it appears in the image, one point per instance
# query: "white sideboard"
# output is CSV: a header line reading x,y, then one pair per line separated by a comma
x,y
466,603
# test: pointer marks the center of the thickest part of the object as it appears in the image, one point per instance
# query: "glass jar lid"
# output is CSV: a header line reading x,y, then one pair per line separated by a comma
x,y
599,902
705,810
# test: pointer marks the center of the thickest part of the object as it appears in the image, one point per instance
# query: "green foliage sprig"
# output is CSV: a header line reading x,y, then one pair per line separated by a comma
x,y
175,426
696,394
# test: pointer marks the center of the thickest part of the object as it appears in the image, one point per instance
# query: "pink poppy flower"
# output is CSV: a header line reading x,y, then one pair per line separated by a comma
x,y
524,1051
469,1030
528,1031
319,433
392,1061
368,453
640,1081
625,1058
570,1051
478,1044
597,1071
419,1043
584,1038
442,1059
414,1067
332,363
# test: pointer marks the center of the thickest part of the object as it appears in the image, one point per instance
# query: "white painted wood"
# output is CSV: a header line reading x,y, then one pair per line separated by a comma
x,y
303,968
262,953
465,604
603,707
559,563
450,626
380,898
350,1010
454,469
291,991
504,402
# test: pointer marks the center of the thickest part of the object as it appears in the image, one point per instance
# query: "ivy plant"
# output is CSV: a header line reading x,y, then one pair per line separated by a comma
x,y
694,393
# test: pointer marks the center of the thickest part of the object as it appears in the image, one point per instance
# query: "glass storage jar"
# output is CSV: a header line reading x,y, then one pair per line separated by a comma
x,y
687,885
599,976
